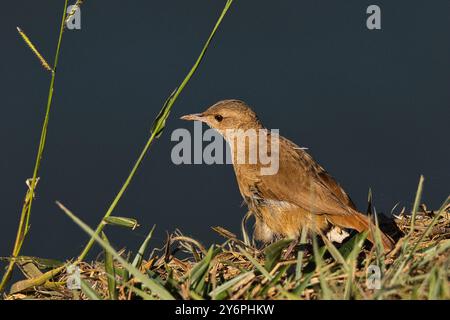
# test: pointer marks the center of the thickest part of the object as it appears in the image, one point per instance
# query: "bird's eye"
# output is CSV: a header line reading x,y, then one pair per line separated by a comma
x,y
218,117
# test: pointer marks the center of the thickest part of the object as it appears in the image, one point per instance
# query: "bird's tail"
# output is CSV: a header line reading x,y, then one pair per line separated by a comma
x,y
361,223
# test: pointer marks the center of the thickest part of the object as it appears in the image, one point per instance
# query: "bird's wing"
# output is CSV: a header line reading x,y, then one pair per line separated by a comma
x,y
304,183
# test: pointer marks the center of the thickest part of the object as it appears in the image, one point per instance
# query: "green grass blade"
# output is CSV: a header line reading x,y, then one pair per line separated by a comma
x,y
122,222
199,272
352,261
152,285
273,253
273,283
416,203
305,283
300,254
230,283
287,294
257,265
336,254
379,248
326,291
346,249
138,258
141,293
109,269
89,291
428,229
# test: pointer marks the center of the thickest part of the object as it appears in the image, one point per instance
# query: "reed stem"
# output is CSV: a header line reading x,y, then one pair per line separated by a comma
x,y
29,197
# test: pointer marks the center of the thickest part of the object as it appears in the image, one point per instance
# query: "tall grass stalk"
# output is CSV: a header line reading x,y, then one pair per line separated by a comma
x,y
417,202
157,128
24,222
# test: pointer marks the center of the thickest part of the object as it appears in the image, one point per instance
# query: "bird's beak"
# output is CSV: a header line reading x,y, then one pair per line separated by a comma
x,y
193,117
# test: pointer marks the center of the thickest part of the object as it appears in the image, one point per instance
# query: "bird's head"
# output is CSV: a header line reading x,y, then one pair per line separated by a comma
x,y
227,115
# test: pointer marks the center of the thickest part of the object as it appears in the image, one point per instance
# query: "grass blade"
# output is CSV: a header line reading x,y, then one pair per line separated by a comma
x,y
89,291
335,253
199,272
326,291
300,254
417,202
305,283
273,253
122,222
230,283
109,269
257,265
138,258
152,285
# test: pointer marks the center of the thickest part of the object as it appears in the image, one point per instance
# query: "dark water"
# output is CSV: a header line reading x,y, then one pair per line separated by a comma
x,y
372,106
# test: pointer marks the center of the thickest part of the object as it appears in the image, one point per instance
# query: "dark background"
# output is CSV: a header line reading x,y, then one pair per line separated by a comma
x,y
372,106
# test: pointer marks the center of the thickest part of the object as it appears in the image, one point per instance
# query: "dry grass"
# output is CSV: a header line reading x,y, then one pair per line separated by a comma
x,y
418,268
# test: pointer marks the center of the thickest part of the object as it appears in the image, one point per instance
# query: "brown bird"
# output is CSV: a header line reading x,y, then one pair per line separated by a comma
x,y
301,194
